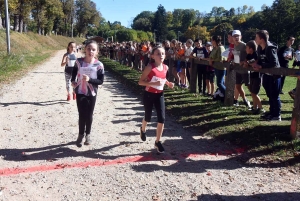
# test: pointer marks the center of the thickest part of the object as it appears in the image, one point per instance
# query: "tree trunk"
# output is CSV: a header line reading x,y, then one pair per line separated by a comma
x,y
21,22
24,27
1,22
16,22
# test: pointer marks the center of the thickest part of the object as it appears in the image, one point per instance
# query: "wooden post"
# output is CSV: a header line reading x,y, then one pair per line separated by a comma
x,y
230,85
193,76
295,124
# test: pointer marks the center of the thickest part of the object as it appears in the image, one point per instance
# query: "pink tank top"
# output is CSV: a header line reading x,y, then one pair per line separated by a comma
x,y
155,75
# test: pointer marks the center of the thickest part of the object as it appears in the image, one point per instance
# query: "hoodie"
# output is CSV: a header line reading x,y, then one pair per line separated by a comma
x,y
268,58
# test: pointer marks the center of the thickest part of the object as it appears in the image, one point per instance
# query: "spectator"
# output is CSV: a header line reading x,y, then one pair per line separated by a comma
x,y
267,58
201,53
255,78
285,54
240,56
216,56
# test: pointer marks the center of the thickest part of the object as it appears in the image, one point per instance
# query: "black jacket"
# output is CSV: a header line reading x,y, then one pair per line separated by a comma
x,y
271,59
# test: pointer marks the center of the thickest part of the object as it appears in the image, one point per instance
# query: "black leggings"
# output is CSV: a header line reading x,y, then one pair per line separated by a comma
x,y
158,101
85,106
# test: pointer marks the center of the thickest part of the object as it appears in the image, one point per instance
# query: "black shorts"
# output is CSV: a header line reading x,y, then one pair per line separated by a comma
x,y
255,84
242,78
183,64
296,63
188,65
210,75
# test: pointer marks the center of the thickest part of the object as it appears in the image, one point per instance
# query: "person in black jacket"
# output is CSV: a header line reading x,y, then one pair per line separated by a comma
x,y
285,54
267,58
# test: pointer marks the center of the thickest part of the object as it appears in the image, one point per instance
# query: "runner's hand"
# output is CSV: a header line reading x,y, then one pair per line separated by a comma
x,y
85,78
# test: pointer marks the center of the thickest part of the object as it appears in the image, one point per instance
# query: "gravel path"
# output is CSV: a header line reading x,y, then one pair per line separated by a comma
x,y
39,161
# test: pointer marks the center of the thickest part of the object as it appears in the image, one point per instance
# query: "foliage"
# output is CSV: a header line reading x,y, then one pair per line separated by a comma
x,y
221,28
197,32
160,23
127,35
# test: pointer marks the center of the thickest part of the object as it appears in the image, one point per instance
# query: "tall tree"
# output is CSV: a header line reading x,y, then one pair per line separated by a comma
x,y
86,15
188,18
160,23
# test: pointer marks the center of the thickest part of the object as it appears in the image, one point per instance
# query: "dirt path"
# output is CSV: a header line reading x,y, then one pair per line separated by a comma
x,y
39,161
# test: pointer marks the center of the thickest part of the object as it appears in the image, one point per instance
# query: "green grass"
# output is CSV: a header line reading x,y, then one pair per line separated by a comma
x,y
27,50
232,125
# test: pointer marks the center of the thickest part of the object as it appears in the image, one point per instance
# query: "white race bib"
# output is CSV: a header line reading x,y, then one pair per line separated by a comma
x,y
91,72
71,63
236,55
155,79
200,56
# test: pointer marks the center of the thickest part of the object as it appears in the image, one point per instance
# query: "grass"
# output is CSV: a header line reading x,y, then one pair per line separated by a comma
x,y
27,50
269,141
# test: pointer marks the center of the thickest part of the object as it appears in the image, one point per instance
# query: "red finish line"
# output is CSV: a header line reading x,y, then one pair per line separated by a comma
x,y
99,163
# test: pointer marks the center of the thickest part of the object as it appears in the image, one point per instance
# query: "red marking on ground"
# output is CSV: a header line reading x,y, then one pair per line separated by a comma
x,y
99,163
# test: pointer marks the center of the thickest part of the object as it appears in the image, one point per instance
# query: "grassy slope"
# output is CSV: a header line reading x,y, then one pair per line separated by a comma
x,y
267,141
27,50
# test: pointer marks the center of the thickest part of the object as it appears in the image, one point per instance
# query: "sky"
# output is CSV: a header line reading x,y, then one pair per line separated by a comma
x,y
124,11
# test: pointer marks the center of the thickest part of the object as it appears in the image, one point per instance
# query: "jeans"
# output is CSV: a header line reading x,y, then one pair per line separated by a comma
x,y
220,75
272,87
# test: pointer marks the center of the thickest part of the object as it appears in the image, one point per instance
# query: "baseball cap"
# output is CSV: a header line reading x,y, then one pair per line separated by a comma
x,y
236,32
209,44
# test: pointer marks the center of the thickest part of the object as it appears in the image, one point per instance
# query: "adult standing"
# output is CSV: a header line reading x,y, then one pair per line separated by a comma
x,y
285,54
240,56
267,58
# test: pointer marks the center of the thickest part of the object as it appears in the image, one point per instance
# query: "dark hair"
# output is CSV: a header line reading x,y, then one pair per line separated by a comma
x,y
69,45
290,38
155,48
197,40
252,44
230,32
218,39
263,34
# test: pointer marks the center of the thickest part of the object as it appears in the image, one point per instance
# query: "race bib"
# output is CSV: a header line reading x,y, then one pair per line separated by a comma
x,y
71,63
161,86
200,56
89,71
236,55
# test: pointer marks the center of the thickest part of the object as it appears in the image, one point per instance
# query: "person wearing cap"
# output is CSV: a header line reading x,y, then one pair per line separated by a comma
x,y
240,54
210,73
267,58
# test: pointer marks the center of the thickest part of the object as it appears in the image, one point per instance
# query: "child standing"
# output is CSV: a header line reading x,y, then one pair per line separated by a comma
x,y
255,78
68,61
89,73
154,79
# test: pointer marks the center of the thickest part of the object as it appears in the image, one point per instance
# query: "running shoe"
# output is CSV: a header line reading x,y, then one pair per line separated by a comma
x,y
143,135
159,147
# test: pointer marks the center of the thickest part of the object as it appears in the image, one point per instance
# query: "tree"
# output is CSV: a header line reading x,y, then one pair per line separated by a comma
x,y
244,9
221,29
263,7
279,20
188,18
86,15
143,24
197,32
177,17
127,35
143,21
160,23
